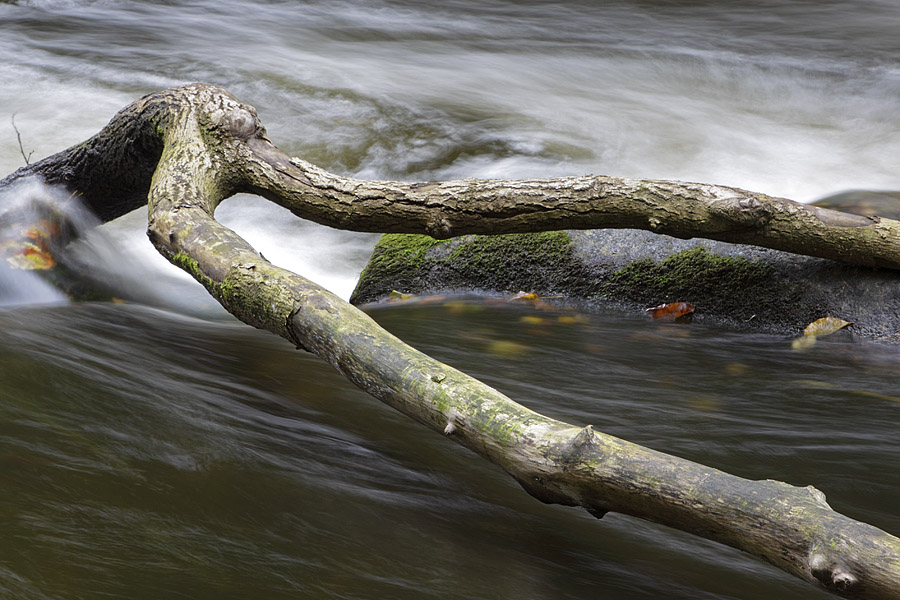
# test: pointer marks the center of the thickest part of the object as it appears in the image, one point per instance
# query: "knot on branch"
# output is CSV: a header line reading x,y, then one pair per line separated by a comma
x,y
573,449
831,573
439,228
745,212
451,422
238,121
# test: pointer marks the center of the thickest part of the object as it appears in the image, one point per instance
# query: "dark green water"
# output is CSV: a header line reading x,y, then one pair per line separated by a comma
x,y
173,453
149,455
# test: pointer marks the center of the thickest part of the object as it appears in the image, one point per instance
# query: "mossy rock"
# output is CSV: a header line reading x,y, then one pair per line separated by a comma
x,y
740,286
542,262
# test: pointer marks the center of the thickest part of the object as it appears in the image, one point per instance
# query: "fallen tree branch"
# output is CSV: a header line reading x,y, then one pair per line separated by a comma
x,y
189,148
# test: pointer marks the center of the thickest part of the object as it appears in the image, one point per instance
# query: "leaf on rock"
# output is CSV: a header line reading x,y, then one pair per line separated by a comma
x,y
533,299
524,296
680,312
396,296
825,326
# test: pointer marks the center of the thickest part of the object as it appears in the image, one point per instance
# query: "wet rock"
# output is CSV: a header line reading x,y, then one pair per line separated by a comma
x,y
745,287
864,202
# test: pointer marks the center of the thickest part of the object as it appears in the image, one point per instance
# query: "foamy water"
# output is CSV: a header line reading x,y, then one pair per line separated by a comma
x,y
765,96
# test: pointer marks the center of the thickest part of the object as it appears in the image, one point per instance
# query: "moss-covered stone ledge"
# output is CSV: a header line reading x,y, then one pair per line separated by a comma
x,y
741,286
544,262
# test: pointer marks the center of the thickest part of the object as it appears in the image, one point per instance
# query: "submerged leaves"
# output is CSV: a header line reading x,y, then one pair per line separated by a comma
x,y
31,249
819,327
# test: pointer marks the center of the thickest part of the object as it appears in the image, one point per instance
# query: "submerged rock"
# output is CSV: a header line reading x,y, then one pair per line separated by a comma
x,y
741,286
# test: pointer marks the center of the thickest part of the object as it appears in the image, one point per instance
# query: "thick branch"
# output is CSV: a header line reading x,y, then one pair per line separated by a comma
x,y
684,210
211,146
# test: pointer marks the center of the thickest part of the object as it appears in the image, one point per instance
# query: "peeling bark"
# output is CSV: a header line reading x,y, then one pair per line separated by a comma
x,y
185,150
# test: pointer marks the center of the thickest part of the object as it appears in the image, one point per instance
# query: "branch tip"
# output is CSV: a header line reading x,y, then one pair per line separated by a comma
x,y
451,422
584,437
832,574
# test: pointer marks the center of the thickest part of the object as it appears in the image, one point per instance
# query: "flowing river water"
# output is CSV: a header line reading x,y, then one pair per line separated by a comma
x,y
159,449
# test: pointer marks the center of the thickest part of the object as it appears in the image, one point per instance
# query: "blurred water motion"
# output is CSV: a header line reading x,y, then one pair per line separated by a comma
x,y
171,452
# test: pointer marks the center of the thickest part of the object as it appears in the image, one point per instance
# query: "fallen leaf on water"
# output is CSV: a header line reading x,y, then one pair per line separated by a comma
x,y
814,383
532,320
533,299
507,348
736,368
825,325
396,296
596,348
704,403
803,342
573,319
875,395
680,312
461,307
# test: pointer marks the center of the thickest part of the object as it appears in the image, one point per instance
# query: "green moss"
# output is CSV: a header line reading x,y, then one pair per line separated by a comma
x,y
412,263
730,286
398,256
495,255
188,264
688,273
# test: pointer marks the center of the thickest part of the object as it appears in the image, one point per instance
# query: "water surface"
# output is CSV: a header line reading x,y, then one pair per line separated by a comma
x,y
171,452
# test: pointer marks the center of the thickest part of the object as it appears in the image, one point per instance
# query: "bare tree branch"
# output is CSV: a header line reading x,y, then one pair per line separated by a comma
x,y
19,137
187,149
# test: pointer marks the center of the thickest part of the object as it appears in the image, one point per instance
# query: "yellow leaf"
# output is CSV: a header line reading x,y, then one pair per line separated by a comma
x,y
736,368
875,395
825,325
31,258
460,307
573,319
803,342
396,296
704,403
507,348
524,296
532,320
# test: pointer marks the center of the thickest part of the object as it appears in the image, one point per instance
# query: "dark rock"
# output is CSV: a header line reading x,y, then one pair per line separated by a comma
x,y
864,202
741,286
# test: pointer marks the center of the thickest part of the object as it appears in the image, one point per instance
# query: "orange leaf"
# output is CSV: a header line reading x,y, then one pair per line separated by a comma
x,y
31,258
680,312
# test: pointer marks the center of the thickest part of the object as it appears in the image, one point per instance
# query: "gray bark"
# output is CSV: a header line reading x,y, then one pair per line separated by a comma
x,y
188,148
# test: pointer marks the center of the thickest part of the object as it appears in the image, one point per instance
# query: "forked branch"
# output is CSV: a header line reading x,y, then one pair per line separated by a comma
x,y
189,148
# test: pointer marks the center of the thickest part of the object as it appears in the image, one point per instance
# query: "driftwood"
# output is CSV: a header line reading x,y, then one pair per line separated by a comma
x,y
185,150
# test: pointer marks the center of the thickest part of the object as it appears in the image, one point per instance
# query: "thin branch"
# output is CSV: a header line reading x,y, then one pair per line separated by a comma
x,y
19,137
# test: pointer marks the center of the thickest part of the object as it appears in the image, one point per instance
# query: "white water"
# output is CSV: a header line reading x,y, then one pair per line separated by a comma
x,y
793,99
149,454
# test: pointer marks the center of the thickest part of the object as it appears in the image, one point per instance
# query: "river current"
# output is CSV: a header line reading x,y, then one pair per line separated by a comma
x,y
159,449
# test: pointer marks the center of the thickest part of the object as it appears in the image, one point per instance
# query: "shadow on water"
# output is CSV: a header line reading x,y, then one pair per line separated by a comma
x,y
146,455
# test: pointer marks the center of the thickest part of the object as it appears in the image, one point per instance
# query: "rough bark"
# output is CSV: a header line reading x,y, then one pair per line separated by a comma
x,y
201,145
